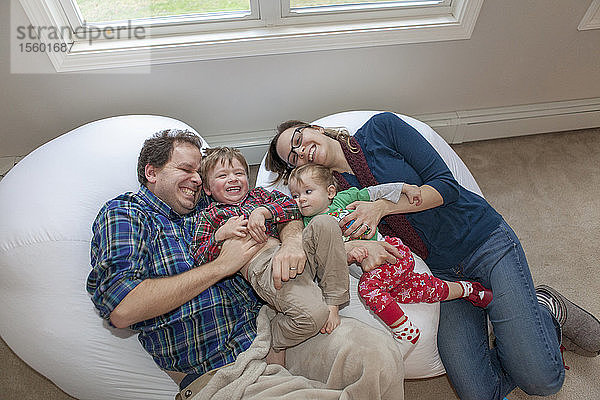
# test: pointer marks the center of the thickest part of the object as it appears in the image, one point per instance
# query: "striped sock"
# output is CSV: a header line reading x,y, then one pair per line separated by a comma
x,y
547,300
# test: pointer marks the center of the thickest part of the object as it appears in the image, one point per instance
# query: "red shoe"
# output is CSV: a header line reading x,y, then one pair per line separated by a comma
x,y
477,294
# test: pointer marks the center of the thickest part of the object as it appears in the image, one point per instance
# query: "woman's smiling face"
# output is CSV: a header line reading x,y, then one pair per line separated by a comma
x,y
302,145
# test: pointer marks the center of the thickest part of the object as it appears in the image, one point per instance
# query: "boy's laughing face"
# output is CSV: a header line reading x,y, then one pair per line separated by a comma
x,y
227,182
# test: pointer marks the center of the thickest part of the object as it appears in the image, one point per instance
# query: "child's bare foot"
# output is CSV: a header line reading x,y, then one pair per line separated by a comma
x,y
276,357
333,321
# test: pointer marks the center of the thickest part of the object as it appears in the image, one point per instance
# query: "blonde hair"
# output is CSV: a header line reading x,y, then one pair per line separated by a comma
x,y
222,155
322,175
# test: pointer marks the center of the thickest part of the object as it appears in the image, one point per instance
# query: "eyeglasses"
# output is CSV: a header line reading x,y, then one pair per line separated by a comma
x,y
295,142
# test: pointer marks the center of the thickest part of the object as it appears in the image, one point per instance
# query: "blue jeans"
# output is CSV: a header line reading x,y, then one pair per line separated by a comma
x,y
527,348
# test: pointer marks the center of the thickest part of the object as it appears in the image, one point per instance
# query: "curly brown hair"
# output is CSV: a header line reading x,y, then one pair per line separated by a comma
x,y
158,149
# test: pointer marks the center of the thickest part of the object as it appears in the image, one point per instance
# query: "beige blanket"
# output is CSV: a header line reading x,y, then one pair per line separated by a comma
x,y
340,366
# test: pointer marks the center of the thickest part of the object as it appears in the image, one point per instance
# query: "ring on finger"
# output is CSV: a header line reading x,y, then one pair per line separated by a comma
x,y
293,268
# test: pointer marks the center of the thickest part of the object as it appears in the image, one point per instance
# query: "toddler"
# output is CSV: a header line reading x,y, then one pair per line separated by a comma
x,y
304,308
313,187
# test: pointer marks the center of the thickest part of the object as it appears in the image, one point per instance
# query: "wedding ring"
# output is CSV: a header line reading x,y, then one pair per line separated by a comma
x,y
293,268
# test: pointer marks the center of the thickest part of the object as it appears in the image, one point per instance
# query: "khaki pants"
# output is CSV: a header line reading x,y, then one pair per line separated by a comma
x,y
354,362
301,303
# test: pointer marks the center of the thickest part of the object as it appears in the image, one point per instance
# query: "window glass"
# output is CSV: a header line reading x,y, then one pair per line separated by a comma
x,y
110,10
325,3
311,3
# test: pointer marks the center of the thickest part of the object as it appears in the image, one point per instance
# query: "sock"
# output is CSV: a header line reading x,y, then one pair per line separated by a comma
x,y
467,288
403,329
548,301
475,293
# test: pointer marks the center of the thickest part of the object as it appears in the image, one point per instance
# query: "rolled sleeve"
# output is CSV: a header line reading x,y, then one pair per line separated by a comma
x,y
119,258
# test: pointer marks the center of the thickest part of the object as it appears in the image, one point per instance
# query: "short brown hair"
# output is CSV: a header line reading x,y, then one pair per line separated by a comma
x,y
322,175
214,155
158,149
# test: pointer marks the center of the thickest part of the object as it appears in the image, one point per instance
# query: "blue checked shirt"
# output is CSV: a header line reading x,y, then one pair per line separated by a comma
x,y
136,236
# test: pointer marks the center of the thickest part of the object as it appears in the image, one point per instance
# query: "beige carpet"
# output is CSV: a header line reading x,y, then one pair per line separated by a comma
x,y
548,188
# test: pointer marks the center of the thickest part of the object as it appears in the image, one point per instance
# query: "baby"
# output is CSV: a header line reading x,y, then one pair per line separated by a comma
x,y
313,187
304,308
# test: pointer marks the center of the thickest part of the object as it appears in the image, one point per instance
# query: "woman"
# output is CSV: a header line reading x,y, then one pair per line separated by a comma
x,y
460,236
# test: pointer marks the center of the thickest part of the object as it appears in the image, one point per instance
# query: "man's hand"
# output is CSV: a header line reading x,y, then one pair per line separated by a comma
x,y
378,253
290,259
237,252
157,296
234,227
357,255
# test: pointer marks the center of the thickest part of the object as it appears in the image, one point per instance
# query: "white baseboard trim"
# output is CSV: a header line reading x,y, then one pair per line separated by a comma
x,y
461,126
454,127
528,119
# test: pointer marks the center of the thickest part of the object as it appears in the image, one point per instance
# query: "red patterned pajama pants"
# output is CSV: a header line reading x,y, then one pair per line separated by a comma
x,y
398,282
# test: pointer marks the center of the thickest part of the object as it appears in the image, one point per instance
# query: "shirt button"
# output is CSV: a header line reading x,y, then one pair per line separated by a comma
x,y
187,393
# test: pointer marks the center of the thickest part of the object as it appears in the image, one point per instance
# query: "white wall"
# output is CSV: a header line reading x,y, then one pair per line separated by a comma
x,y
521,53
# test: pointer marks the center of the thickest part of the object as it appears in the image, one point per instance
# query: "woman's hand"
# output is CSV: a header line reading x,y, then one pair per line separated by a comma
x,y
367,215
364,219
378,253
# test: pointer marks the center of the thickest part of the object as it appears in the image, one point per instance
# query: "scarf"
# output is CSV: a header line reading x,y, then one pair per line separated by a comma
x,y
396,224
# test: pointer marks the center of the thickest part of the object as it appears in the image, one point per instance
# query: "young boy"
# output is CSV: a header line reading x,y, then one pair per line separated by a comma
x,y
303,308
314,189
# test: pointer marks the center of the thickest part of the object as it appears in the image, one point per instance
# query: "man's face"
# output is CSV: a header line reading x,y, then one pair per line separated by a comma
x,y
227,183
178,182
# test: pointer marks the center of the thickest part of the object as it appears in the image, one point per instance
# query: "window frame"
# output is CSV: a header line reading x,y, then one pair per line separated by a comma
x,y
173,39
353,12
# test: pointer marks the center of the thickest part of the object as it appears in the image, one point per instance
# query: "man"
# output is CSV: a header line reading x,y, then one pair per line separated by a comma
x,y
196,320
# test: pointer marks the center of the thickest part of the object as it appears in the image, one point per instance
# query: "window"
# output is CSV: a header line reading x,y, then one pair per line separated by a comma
x,y
105,33
95,11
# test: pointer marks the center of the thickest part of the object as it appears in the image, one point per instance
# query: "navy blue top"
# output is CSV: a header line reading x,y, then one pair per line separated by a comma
x,y
397,152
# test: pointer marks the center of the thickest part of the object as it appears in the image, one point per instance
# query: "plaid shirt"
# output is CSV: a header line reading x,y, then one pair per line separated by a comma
x,y
137,236
204,246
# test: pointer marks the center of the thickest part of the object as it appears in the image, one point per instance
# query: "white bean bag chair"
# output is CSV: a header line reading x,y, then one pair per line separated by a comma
x,y
48,202
423,361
